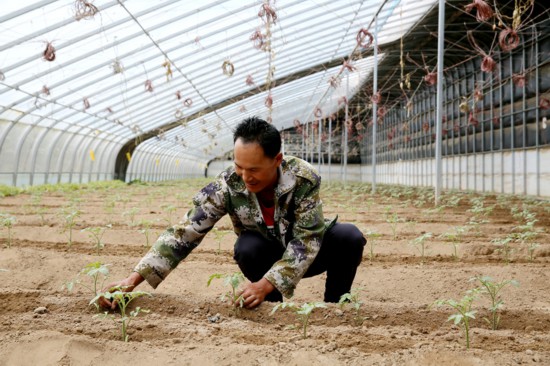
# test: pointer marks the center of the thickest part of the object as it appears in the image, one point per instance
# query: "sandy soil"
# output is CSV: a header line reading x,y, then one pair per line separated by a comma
x,y
44,324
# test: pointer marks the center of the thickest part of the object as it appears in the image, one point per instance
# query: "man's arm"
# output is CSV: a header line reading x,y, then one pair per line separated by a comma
x,y
301,250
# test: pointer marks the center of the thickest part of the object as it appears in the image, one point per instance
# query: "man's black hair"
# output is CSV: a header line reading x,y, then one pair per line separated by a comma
x,y
255,129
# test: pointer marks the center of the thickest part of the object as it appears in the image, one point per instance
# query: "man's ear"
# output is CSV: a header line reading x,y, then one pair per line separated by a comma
x,y
279,159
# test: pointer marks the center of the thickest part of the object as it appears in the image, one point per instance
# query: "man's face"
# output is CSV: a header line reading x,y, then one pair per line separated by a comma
x,y
257,170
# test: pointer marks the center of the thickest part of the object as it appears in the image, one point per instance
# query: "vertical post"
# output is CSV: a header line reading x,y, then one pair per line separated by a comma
x,y
345,134
329,145
439,107
374,105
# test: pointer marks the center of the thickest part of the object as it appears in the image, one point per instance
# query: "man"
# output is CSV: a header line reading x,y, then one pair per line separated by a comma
x,y
276,212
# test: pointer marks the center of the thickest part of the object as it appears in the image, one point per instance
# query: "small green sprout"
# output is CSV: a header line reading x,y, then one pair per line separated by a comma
x,y
352,298
169,209
123,299
505,248
7,221
420,244
96,233
219,235
465,312
372,236
302,312
146,230
69,221
393,220
94,271
492,289
233,280
131,214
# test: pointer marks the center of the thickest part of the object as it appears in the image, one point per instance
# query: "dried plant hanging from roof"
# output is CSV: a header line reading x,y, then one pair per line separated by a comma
x,y
484,10
509,36
228,68
84,9
49,52
488,64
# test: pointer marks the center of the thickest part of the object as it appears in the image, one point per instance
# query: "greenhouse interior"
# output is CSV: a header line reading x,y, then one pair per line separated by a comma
x,y
448,94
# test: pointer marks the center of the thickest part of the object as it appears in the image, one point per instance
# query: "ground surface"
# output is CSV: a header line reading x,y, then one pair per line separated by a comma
x,y
188,324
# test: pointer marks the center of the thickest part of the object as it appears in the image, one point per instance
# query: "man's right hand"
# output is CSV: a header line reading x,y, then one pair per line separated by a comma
x,y
127,285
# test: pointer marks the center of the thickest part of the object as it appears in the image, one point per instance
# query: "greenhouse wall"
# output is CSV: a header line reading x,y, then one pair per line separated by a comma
x,y
518,172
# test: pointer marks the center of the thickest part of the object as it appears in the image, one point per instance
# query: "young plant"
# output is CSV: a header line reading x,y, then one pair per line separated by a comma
x,y
219,234
233,280
393,220
123,299
131,214
455,237
97,273
96,234
169,210
492,289
420,244
302,312
504,247
7,221
146,230
531,250
69,221
464,312
372,236
352,299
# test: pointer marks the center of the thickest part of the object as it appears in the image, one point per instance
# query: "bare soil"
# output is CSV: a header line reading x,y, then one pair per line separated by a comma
x,y
188,324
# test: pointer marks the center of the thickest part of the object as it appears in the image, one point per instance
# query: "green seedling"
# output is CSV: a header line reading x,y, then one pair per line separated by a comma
x,y
372,236
131,214
109,208
96,234
455,237
303,312
219,235
97,273
352,299
69,217
169,210
233,280
7,221
504,247
420,244
146,230
464,312
393,220
123,299
492,289
531,250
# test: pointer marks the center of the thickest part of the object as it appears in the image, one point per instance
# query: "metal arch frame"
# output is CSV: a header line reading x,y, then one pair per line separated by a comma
x,y
98,127
161,76
61,133
63,96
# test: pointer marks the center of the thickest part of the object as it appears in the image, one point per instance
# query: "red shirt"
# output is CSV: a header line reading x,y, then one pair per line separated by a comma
x,y
268,214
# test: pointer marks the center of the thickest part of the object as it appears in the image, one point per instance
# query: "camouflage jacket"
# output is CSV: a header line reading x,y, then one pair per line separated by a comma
x,y
299,224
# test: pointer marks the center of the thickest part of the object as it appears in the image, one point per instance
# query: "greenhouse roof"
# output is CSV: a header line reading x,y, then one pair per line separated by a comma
x,y
180,75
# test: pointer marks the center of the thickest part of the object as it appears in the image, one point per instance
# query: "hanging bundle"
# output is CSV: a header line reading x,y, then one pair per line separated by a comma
x,y
508,39
149,86
364,38
484,10
228,68
84,10
49,52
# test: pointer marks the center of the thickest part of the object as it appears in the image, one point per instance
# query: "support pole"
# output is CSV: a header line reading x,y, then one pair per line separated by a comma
x,y
439,102
374,105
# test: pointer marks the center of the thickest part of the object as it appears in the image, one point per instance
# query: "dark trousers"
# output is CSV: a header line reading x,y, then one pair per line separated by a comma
x,y
340,255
